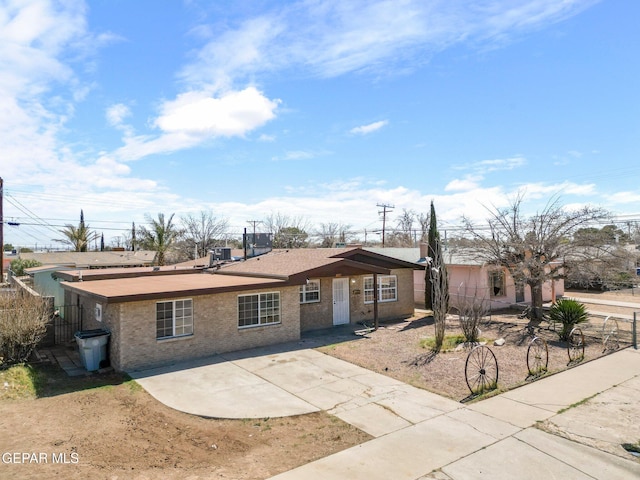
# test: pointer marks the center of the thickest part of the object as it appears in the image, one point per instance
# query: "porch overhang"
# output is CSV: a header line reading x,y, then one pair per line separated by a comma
x,y
340,268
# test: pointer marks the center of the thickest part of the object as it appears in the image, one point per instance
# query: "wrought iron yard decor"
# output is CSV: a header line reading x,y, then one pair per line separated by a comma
x,y
610,340
575,345
481,370
537,356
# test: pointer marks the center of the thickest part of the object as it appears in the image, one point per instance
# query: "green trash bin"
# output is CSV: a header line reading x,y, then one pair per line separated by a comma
x,y
93,347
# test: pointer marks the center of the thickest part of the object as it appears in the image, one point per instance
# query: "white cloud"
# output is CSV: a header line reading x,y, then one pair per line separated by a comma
x,y
35,37
548,190
116,114
32,37
370,128
463,184
195,117
500,164
298,155
623,198
221,63
232,114
334,37
486,166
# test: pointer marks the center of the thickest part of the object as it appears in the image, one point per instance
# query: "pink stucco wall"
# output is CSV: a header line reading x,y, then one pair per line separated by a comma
x,y
473,281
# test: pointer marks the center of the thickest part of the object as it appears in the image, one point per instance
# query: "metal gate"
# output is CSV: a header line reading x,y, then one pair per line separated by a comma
x,y
67,320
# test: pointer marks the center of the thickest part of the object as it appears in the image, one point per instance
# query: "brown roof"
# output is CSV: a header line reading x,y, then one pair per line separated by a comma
x,y
167,286
275,269
124,272
308,262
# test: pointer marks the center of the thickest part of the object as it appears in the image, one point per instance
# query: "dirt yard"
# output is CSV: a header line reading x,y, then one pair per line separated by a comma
x,y
395,350
120,432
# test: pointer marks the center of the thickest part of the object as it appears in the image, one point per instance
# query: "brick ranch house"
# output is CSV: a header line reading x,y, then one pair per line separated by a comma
x,y
160,316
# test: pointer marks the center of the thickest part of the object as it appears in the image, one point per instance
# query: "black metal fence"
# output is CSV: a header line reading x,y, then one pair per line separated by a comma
x,y
67,320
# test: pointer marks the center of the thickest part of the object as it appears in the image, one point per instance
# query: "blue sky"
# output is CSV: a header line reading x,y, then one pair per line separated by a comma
x,y
315,109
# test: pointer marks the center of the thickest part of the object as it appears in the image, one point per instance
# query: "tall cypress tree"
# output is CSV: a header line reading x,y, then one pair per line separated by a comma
x,y
434,251
82,228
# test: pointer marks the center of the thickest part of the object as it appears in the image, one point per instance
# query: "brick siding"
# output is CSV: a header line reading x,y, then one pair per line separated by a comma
x,y
215,330
320,315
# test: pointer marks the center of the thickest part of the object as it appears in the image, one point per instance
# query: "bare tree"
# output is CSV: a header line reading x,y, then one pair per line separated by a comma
x,y
288,232
202,232
424,220
127,239
404,228
331,233
532,249
602,258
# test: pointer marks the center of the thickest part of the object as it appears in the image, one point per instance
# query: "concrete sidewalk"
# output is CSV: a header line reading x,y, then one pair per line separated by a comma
x,y
496,439
612,303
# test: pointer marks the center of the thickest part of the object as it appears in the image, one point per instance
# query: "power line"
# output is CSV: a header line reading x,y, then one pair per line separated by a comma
x,y
16,203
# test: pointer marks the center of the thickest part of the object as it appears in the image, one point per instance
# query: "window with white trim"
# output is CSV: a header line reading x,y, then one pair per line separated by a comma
x,y
387,289
174,318
258,309
310,292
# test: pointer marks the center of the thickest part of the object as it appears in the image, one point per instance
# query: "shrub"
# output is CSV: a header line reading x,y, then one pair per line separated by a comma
x,y
18,266
23,323
472,310
568,313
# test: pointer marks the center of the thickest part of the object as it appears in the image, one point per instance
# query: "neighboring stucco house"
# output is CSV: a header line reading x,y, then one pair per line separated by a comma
x,y
469,277
162,316
46,283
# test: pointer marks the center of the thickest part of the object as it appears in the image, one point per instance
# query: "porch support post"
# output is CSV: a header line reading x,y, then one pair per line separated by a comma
x,y
375,301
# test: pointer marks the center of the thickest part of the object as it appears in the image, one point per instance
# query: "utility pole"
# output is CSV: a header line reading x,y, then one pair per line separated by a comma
x,y
385,208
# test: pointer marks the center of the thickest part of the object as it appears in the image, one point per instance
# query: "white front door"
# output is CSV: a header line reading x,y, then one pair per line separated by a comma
x,y
340,301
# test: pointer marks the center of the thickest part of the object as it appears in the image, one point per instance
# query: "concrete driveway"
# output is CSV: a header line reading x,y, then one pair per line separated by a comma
x,y
284,381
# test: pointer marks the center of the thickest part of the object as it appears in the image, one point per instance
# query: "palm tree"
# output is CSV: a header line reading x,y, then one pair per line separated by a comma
x,y
159,236
78,237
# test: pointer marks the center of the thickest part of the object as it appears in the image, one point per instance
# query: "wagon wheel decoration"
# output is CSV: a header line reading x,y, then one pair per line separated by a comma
x,y
575,345
537,356
481,370
610,339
